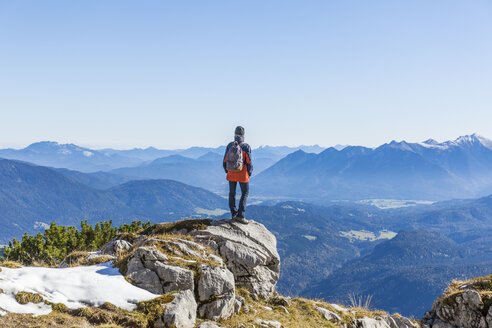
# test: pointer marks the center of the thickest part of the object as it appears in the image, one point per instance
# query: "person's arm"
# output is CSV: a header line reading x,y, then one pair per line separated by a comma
x,y
225,159
249,161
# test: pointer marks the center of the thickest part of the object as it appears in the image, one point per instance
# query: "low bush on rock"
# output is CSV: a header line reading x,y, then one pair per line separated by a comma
x,y
52,246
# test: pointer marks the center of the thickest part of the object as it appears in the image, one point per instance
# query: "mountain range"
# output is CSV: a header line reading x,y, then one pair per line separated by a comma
x,y
33,196
73,157
428,170
397,170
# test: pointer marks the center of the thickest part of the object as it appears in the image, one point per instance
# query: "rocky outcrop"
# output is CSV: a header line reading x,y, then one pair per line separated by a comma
x,y
216,293
142,269
249,251
221,256
384,322
463,305
180,312
116,246
201,262
329,315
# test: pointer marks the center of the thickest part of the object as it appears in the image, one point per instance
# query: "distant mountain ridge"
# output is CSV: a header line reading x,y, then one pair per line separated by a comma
x,y
73,157
48,153
424,171
32,196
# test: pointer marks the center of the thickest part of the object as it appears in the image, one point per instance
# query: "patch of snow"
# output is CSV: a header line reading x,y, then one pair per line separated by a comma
x,y
65,151
87,153
484,141
301,210
288,207
309,237
75,287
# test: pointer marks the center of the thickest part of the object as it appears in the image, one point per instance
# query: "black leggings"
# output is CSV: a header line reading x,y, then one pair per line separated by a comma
x,y
232,197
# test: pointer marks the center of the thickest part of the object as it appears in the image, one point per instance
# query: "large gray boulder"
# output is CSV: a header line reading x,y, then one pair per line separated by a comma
x,y
396,321
463,310
208,324
216,293
489,317
249,250
174,278
180,312
116,246
370,323
147,269
328,315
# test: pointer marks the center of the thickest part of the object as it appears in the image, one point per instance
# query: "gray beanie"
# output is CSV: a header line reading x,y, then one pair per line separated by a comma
x,y
239,131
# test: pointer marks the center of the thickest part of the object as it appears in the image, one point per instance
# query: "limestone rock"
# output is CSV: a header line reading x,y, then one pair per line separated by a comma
x,y
249,250
328,315
96,257
220,308
214,281
268,324
488,319
439,324
146,279
115,246
280,301
208,324
463,310
174,278
180,312
370,323
238,304
395,321
147,270
216,292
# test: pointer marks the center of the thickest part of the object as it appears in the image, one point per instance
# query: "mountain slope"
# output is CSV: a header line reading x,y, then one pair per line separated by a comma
x,y
404,274
33,196
163,199
99,180
205,171
401,170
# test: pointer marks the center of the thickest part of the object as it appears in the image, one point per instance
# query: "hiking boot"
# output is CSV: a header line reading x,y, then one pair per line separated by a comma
x,y
240,219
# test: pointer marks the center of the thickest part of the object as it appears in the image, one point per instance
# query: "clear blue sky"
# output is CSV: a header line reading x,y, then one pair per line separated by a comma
x,y
181,73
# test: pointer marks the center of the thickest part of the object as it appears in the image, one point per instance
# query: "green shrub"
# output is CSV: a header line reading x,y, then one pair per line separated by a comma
x,y
51,247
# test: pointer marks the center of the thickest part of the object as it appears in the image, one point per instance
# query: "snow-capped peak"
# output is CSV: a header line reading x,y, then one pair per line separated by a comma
x,y
484,141
431,142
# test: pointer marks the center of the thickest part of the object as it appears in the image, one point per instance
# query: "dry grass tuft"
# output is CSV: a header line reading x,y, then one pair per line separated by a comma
x,y
27,297
108,314
187,225
52,320
153,309
80,258
10,264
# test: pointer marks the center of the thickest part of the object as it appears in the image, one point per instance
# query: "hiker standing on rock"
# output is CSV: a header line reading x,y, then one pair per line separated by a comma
x,y
238,166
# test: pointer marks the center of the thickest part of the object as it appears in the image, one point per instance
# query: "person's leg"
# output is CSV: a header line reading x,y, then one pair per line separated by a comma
x,y
244,198
232,197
